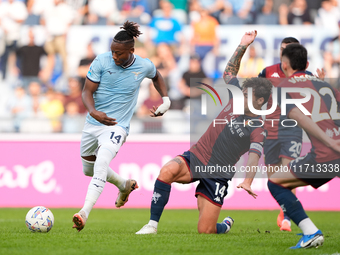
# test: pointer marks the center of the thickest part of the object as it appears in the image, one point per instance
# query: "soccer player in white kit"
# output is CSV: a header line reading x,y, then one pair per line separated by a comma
x,y
110,95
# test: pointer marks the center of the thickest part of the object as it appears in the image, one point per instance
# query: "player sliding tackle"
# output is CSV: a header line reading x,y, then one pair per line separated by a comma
x,y
321,164
110,95
220,145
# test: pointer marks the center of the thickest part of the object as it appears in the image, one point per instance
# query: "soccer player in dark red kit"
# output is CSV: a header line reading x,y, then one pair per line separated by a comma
x,y
282,144
319,165
220,145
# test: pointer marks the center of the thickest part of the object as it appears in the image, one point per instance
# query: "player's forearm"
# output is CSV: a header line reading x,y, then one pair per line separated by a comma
x,y
233,65
310,126
159,84
252,166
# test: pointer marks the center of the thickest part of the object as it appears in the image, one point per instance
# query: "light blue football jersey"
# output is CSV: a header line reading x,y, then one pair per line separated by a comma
x,y
118,87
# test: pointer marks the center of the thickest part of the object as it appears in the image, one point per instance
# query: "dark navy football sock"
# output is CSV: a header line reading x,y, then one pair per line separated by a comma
x,y
286,217
221,228
288,202
160,198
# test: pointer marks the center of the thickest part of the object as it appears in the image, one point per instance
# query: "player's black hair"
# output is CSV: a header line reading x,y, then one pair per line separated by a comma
x,y
288,40
297,55
128,34
262,87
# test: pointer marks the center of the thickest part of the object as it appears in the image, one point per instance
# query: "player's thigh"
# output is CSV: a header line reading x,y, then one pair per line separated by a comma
x,y
287,180
89,142
176,170
112,137
208,215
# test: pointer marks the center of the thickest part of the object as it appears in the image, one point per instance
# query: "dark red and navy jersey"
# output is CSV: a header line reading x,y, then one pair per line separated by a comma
x,y
229,136
324,107
274,128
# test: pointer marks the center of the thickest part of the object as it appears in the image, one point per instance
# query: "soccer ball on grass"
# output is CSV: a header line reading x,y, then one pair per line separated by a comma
x,y
39,219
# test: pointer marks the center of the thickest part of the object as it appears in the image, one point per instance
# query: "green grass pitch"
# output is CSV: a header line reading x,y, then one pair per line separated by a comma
x,y
113,232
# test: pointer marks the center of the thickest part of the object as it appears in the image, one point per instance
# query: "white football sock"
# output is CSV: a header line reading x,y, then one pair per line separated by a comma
x,y
307,226
153,223
112,176
115,179
97,184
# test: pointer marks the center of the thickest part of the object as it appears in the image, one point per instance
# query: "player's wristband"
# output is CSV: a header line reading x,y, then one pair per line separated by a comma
x,y
163,107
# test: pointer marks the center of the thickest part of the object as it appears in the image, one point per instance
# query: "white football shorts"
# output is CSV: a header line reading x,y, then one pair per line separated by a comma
x,y
95,136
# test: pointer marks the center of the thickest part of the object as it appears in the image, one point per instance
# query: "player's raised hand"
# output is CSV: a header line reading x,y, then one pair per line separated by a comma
x,y
248,38
103,118
160,110
321,73
247,188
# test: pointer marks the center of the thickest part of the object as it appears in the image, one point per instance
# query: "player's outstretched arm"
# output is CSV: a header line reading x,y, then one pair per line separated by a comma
x,y
252,163
160,86
233,65
313,129
87,95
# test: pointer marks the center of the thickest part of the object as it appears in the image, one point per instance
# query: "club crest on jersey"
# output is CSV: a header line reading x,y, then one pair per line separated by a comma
x,y
136,74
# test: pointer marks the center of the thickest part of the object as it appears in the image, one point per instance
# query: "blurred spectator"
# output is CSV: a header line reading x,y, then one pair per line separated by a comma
x,y
313,6
166,28
180,4
29,58
72,120
204,34
252,66
178,14
191,77
12,15
267,16
331,66
102,12
237,12
57,21
85,63
20,107
53,109
164,61
213,7
189,80
37,98
328,16
74,95
278,3
81,9
298,14
35,9
136,10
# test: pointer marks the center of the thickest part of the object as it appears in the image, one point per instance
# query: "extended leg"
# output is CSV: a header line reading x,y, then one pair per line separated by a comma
x,y
175,170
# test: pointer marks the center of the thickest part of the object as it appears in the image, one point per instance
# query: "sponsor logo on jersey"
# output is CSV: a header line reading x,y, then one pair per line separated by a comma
x,y
275,75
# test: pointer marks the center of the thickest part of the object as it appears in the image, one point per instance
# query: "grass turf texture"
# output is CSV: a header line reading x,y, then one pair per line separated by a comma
x,y
113,232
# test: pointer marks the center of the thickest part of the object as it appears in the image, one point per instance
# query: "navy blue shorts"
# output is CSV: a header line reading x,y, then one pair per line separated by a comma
x,y
313,173
275,149
212,189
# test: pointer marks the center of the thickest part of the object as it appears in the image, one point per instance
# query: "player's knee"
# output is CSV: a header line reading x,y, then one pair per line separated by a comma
x,y
204,229
168,173
105,154
87,167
